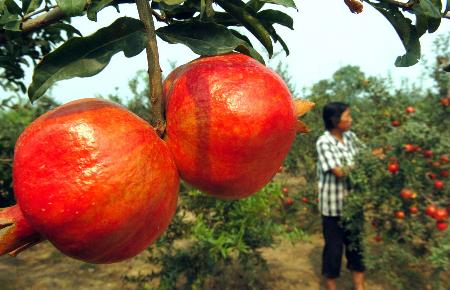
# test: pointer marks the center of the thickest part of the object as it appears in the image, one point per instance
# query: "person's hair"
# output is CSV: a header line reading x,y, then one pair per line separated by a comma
x,y
332,114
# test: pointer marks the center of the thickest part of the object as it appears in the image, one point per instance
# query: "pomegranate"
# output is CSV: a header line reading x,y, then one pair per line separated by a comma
x,y
92,178
230,123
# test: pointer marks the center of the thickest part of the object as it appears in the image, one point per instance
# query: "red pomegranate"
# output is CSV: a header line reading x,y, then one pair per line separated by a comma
x,y
230,123
92,178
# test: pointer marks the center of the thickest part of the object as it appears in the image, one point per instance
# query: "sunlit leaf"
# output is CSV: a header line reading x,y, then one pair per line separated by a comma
x,y
206,38
87,56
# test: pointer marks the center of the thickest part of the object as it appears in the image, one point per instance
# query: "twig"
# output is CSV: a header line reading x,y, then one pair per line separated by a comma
x,y
154,69
6,160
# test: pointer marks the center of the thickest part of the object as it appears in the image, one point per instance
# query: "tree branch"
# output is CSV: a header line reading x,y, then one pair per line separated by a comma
x,y
34,13
52,16
154,69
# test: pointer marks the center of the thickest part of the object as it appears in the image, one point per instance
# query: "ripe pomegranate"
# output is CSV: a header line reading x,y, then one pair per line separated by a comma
x,y
230,123
393,167
445,101
92,178
444,158
285,190
430,210
441,226
444,173
305,199
399,214
409,147
427,153
395,123
377,238
413,210
431,175
410,109
288,201
440,214
438,184
406,193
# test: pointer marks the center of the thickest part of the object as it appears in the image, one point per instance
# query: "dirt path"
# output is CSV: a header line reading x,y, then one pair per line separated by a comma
x,y
44,268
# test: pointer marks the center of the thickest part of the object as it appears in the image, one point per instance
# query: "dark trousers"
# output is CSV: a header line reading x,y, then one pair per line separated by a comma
x,y
337,237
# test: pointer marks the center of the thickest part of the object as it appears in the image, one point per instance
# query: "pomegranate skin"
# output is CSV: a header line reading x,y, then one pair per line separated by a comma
x,y
230,123
95,180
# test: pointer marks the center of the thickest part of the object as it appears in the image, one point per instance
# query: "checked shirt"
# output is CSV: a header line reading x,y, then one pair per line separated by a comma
x,y
332,154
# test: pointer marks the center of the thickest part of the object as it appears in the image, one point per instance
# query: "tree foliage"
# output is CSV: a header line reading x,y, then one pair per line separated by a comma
x,y
31,30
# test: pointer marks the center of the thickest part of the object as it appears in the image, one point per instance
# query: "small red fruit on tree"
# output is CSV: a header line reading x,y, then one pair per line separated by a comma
x,y
443,158
92,178
227,136
431,175
393,167
430,210
441,226
285,190
428,153
395,123
305,199
440,214
438,184
445,101
410,109
413,210
399,214
444,173
406,193
377,238
409,147
288,201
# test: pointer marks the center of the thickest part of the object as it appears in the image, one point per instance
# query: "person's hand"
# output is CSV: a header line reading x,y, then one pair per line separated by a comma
x,y
379,152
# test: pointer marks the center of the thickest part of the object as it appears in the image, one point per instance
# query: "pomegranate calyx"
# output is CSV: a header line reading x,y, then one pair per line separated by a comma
x,y
301,127
302,107
16,234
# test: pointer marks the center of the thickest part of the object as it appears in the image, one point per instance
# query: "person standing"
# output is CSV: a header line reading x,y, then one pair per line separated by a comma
x,y
336,149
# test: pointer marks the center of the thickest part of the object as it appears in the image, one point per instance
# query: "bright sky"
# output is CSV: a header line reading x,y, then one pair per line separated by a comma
x,y
326,37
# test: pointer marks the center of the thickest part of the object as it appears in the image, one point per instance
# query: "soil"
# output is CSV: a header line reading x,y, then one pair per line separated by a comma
x,y
291,266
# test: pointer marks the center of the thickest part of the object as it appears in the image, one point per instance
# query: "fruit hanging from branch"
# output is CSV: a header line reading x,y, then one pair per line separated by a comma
x,y
93,179
230,123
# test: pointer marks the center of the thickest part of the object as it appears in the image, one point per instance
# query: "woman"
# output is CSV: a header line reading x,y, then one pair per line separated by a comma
x,y
336,149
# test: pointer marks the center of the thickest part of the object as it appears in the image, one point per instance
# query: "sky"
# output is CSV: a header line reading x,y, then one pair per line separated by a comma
x,y
326,36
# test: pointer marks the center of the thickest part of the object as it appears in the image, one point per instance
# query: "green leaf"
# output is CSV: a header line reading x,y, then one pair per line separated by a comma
x,y
427,8
13,7
405,30
12,25
256,5
248,18
30,5
65,26
87,56
274,16
206,38
95,7
72,7
285,3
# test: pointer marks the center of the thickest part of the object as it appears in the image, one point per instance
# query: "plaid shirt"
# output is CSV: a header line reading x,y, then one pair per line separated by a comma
x,y
332,154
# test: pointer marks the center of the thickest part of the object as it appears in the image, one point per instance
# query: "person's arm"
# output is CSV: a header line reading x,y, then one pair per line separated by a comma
x,y
328,160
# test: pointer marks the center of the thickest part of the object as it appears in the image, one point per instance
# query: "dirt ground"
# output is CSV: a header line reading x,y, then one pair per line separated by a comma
x,y
42,267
